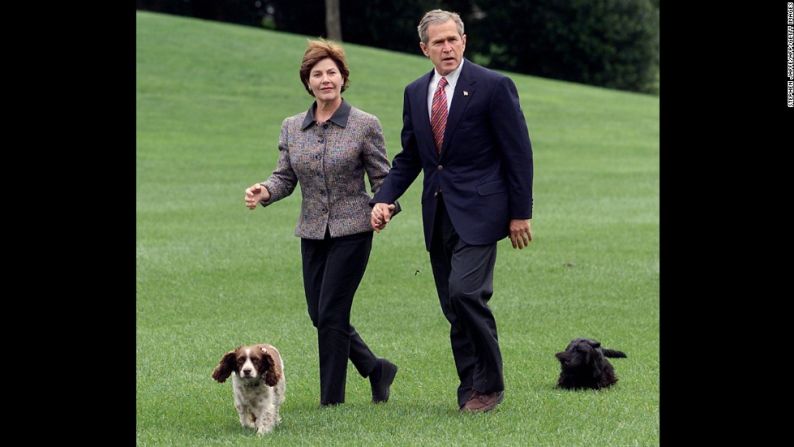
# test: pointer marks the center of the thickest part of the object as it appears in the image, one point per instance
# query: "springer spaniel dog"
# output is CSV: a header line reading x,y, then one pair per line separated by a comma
x,y
258,383
584,365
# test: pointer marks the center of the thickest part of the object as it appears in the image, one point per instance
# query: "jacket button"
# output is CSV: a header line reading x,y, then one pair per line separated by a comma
x,y
440,167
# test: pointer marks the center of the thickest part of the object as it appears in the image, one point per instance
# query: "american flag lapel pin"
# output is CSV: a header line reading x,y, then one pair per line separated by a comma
x,y
465,93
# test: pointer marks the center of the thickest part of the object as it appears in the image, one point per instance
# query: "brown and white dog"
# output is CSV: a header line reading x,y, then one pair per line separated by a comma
x,y
258,383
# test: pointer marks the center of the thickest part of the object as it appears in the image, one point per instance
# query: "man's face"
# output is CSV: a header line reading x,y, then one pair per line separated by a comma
x,y
444,46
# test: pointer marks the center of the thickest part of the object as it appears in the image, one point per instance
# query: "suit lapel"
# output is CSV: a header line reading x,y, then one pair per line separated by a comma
x,y
422,123
464,90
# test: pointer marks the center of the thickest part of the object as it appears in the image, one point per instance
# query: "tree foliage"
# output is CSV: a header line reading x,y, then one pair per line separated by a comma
x,y
384,23
610,43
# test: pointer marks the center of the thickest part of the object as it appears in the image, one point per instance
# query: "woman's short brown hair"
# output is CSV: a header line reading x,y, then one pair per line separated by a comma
x,y
319,50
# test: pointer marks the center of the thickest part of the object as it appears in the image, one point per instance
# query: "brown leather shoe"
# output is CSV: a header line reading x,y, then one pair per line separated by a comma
x,y
480,403
472,397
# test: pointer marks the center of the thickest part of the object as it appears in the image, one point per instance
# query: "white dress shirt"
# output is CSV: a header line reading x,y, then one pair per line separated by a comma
x,y
452,79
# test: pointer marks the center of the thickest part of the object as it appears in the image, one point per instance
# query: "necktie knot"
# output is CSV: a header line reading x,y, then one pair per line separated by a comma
x,y
443,82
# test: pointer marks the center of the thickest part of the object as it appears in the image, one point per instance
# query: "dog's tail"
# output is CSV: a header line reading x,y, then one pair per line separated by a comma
x,y
613,354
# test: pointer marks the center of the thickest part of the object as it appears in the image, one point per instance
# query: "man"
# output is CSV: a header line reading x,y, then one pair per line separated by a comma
x,y
463,126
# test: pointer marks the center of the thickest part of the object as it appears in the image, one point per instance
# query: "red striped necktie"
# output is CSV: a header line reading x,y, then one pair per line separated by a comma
x,y
438,116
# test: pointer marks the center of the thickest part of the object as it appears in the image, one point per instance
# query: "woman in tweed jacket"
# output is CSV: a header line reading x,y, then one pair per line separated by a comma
x,y
327,149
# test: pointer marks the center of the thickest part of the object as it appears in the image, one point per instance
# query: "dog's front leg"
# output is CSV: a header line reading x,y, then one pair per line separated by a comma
x,y
278,391
276,416
267,421
247,419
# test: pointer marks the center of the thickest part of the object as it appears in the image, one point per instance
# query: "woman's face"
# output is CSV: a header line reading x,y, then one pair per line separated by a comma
x,y
325,80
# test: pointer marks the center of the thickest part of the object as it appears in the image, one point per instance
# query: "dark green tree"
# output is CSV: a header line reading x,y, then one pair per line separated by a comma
x,y
610,43
384,24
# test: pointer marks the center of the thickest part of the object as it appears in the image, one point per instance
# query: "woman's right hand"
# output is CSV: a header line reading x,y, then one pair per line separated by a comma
x,y
380,216
254,194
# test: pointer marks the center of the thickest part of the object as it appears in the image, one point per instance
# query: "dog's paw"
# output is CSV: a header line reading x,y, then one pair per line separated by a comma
x,y
261,431
246,423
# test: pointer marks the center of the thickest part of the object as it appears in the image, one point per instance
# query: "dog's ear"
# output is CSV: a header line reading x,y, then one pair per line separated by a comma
x,y
273,373
225,367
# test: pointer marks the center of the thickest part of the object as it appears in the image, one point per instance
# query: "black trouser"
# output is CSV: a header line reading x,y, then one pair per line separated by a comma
x,y
464,280
332,271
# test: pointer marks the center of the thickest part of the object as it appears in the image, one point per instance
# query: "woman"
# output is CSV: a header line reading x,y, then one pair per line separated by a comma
x,y
327,149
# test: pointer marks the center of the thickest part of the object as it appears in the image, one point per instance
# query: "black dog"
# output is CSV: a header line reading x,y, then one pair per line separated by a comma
x,y
584,365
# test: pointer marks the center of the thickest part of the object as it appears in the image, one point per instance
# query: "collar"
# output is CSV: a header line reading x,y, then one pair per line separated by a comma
x,y
452,77
339,117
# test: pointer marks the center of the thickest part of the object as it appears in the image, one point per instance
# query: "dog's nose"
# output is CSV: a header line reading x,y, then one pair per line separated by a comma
x,y
247,372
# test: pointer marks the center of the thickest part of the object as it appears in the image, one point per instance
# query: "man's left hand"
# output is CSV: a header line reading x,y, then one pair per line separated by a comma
x,y
520,232
381,213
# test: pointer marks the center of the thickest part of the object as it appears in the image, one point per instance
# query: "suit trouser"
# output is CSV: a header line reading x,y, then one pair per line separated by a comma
x,y
464,281
332,270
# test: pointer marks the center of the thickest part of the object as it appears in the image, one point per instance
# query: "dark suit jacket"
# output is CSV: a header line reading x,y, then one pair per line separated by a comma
x,y
485,169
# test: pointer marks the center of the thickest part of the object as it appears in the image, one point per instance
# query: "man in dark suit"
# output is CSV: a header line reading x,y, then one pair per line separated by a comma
x,y
463,126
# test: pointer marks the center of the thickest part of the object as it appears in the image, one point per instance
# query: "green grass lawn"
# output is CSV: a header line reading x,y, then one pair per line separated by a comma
x,y
212,275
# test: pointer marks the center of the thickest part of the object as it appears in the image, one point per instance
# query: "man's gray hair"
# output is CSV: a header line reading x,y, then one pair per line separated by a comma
x,y
438,16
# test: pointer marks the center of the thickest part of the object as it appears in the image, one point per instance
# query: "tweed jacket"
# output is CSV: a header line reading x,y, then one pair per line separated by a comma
x,y
329,161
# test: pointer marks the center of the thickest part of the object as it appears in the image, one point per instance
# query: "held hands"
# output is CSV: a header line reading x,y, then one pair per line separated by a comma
x,y
520,233
381,214
254,194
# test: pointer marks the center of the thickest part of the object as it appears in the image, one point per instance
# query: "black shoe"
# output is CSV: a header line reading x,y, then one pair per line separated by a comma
x,y
381,379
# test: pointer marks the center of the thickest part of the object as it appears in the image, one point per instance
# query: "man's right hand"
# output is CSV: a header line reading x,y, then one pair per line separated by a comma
x,y
254,194
381,214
